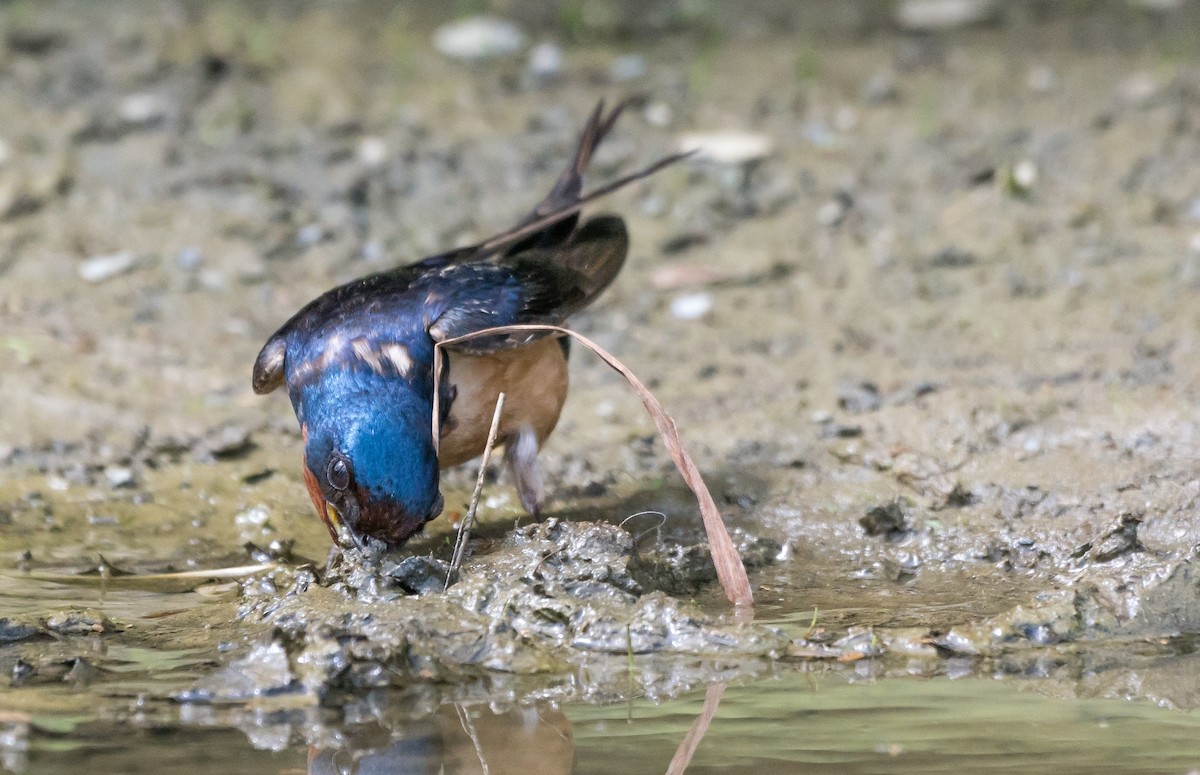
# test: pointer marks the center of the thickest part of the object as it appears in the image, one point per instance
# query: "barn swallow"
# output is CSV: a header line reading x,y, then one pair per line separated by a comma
x,y
358,360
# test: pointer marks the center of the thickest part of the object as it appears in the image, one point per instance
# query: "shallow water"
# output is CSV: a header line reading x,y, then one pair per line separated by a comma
x,y
1110,706
804,723
791,722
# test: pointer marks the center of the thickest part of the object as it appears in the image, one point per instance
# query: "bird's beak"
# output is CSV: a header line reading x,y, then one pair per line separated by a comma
x,y
333,518
338,527
325,510
328,512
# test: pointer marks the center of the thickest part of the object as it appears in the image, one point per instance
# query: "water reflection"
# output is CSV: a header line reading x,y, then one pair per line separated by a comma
x,y
455,739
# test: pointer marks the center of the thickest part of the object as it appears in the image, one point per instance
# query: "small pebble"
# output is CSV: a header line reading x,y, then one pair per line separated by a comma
x,y
546,61
310,235
97,269
629,67
371,151
78,621
832,212
1025,174
373,251
880,87
859,397
141,109
845,119
477,38
1021,178
658,114
213,279
118,476
653,206
820,134
189,258
691,306
1042,79
1138,88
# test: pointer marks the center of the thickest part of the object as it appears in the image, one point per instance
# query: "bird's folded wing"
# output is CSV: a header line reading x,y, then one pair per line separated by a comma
x,y
539,285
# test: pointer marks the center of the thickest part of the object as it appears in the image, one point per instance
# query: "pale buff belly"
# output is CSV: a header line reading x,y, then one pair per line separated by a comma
x,y
533,379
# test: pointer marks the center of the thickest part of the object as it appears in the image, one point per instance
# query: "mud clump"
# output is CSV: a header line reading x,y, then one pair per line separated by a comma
x,y
13,629
80,621
888,521
683,566
549,598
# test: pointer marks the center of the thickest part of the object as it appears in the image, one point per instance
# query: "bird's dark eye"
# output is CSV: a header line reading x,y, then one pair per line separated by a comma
x,y
338,472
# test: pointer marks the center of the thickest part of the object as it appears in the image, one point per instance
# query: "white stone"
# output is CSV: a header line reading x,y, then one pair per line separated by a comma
x,y
1025,174
831,213
97,269
943,14
478,37
658,114
727,147
372,151
692,306
845,119
546,60
118,476
141,108
627,68
310,235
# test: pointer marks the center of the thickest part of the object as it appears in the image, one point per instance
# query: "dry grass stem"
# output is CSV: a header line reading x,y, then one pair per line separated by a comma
x,y
181,580
730,570
464,527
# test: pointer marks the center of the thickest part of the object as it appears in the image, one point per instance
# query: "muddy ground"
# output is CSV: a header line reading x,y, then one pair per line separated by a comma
x,y
938,338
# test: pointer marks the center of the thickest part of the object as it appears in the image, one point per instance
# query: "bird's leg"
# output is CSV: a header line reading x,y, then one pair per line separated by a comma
x,y
335,553
520,455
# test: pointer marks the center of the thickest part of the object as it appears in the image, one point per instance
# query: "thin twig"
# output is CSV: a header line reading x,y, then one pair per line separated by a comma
x,y
464,527
183,580
731,572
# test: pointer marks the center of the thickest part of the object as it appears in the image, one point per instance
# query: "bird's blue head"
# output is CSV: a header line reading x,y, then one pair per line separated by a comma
x,y
369,459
